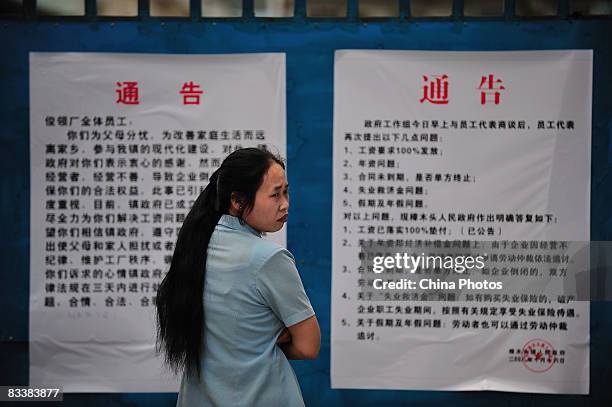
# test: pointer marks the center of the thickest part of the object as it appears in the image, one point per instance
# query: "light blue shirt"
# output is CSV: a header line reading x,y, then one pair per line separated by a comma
x,y
252,291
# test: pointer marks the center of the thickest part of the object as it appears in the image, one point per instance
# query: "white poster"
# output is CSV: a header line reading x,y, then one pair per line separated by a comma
x,y
435,149
120,147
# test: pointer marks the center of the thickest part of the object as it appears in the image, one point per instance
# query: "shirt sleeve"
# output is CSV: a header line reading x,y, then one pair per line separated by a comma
x,y
280,285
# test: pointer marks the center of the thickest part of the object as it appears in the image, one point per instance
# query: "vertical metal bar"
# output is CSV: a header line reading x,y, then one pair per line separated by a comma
x,y
563,8
457,11
29,9
195,9
91,9
509,8
352,12
299,12
248,9
404,9
143,9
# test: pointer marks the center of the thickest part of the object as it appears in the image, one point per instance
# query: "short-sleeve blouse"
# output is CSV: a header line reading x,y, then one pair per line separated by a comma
x,y
252,291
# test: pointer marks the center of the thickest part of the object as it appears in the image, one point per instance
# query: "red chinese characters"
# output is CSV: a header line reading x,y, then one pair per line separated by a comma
x,y
488,87
436,90
127,93
191,93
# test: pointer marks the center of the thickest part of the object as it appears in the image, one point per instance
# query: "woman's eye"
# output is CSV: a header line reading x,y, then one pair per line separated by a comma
x,y
275,195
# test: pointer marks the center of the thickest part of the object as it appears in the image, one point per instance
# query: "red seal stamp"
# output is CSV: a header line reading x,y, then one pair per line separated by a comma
x,y
538,355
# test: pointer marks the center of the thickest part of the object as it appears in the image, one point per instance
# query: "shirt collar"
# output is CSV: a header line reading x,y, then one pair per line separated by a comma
x,y
233,222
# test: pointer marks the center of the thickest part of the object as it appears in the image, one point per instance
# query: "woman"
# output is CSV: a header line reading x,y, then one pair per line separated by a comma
x,y
232,308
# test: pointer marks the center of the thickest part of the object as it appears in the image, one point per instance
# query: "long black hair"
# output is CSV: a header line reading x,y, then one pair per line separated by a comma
x,y
179,302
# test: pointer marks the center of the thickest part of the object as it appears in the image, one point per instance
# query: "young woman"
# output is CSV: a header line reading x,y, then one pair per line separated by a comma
x,y
232,308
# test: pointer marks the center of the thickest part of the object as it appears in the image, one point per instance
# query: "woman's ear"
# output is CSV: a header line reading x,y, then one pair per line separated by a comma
x,y
235,204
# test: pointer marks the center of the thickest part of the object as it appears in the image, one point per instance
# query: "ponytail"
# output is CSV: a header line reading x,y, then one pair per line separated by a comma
x,y
176,310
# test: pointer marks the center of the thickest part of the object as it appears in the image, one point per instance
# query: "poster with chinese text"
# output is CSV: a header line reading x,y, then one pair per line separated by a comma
x,y
120,147
437,151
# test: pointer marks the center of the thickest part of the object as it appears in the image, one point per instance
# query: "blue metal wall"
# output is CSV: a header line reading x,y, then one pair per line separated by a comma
x,y
309,45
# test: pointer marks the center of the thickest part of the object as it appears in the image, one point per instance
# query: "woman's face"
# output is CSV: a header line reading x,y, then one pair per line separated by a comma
x,y
271,207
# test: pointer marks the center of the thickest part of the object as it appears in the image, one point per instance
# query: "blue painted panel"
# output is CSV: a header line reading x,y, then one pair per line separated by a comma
x,y
310,47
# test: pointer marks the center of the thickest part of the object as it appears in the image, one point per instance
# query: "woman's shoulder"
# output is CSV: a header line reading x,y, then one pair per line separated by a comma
x,y
266,250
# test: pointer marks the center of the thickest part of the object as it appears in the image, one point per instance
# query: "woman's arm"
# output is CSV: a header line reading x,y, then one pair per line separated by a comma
x,y
305,340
